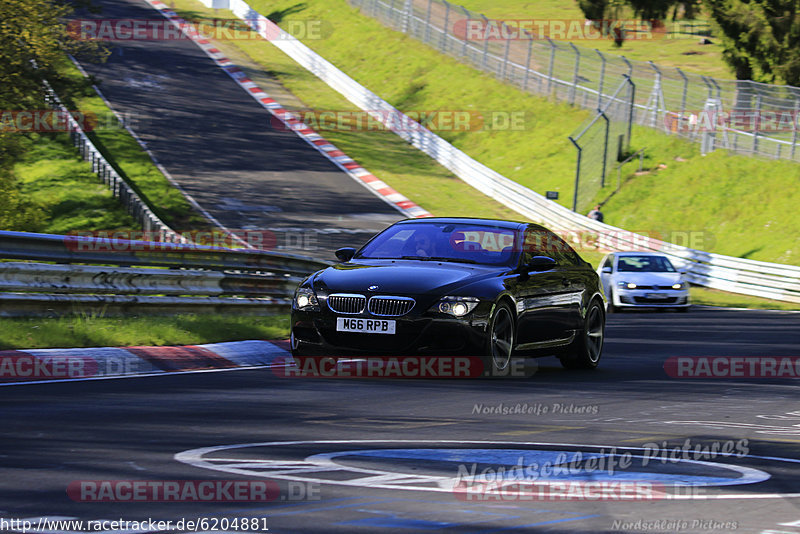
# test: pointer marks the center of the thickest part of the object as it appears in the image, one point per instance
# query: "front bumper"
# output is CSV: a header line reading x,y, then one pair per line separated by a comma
x,y
651,298
314,333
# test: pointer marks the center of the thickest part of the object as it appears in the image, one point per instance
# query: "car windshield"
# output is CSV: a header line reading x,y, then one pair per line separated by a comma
x,y
645,264
452,242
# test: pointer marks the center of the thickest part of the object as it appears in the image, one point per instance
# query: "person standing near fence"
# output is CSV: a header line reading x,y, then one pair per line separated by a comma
x,y
596,214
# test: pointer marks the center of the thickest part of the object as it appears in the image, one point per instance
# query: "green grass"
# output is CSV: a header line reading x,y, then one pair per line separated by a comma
x,y
95,331
69,195
125,154
684,52
712,297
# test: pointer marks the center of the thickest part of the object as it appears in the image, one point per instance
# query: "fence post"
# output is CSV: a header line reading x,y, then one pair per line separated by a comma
x,y
755,131
631,107
406,15
656,96
551,66
464,46
428,22
528,63
685,90
605,149
575,73
577,175
794,127
446,24
484,61
602,78
505,53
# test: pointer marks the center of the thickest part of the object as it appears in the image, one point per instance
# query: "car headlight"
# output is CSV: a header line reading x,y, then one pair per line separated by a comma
x,y
305,299
679,285
627,285
456,306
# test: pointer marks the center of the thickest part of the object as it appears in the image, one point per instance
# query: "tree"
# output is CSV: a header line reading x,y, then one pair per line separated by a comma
x,y
593,9
33,39
761,38
652,9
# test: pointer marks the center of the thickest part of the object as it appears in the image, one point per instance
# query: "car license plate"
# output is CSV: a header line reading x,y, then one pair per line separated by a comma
x,y
656,296
366,326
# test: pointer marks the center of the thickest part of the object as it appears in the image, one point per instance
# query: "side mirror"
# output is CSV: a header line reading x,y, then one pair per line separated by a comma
x,y
345,254
540,263
606,270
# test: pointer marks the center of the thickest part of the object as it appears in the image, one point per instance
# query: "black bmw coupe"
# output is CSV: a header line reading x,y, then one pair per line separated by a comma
x,y
444,286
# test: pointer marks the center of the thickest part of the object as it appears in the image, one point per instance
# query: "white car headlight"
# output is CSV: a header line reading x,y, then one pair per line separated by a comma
x,y
456,306
627,285
679,285
304,298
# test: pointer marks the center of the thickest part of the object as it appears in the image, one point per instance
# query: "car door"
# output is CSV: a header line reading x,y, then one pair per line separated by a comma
x,y
548,302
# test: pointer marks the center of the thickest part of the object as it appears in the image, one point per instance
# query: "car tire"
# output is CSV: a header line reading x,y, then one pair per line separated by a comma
x,y
585,352
500,341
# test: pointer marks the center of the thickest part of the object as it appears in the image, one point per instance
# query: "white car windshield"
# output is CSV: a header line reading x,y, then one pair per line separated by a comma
x,y
644,264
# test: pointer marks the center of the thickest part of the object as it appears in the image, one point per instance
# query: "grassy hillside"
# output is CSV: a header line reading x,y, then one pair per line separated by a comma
x,y
744,206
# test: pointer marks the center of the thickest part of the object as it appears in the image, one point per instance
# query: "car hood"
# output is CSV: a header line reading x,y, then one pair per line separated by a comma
x,y
400,277
648,279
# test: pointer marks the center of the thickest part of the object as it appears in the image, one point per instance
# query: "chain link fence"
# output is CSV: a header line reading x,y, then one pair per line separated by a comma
x,y
601,142
743,116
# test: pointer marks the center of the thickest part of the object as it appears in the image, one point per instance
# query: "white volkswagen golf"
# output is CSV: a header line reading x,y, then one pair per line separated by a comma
x,y
642,280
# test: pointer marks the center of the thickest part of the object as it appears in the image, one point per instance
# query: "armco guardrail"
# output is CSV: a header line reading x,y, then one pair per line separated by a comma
x,y
142,277
748,277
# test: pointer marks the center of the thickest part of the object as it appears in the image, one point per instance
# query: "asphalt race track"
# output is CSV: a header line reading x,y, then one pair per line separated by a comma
x,y
366,454
625,448
220,146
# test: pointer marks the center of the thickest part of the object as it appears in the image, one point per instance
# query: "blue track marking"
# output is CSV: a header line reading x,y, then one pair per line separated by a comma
x,y
527,465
